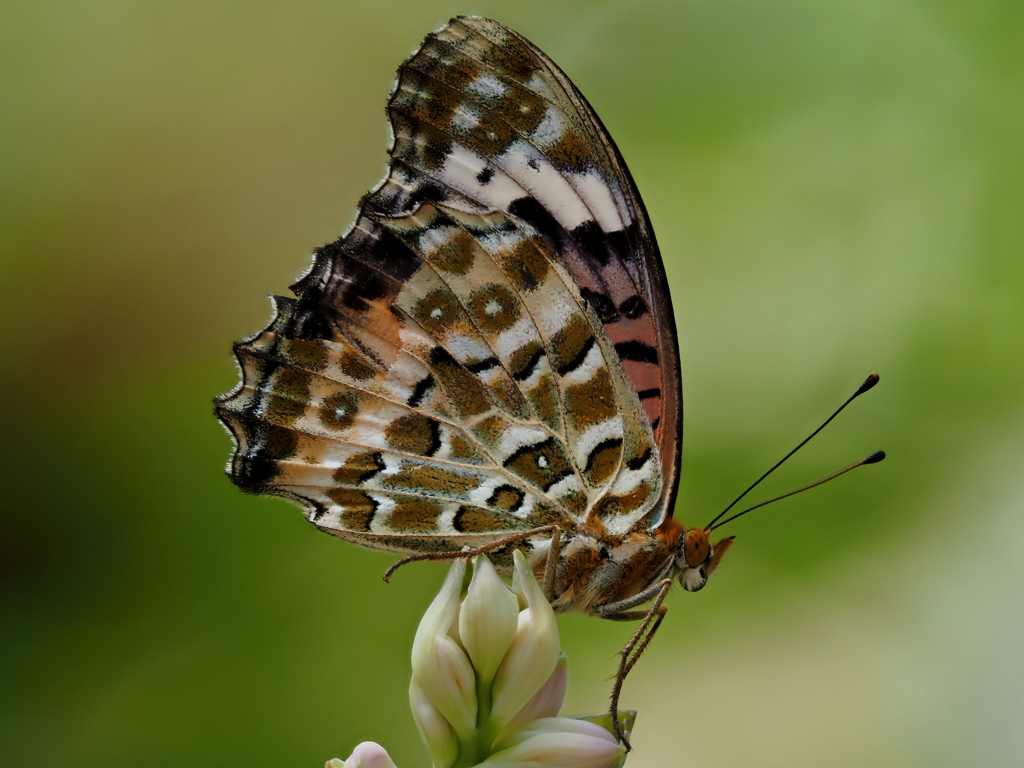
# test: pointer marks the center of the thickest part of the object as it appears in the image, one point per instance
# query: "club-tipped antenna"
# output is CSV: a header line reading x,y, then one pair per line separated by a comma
x,y
869,382
874,458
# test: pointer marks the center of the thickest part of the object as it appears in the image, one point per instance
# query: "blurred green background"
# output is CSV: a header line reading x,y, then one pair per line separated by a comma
x,y
837,188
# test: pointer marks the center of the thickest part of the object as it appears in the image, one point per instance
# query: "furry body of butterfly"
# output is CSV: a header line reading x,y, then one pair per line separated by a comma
x,y
487,360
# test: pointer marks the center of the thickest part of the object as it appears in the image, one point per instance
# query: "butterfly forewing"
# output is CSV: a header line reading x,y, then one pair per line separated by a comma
x,y
490,348
482,115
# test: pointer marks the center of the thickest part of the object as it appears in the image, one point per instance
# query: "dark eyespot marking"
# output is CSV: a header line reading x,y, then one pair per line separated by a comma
x,y
484,177
482,365
419,392
601,304
646,394
637,351
507,497
604,554
577,360
532,162
339,411
633,307
541,464
639,461
495,308
437,312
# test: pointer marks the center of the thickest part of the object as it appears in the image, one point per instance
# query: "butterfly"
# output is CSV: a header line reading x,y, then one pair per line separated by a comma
x,y
487,360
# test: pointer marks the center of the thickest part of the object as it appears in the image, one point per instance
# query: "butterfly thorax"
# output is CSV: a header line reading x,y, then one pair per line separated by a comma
x,y
598,570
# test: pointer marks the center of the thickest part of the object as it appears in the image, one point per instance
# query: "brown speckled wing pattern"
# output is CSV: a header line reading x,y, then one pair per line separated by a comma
x,y
491,347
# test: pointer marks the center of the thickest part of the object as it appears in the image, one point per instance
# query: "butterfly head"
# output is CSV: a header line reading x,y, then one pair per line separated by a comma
x,y
697,558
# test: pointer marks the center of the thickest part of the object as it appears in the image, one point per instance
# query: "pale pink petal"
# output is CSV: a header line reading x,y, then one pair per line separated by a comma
x,y
369,754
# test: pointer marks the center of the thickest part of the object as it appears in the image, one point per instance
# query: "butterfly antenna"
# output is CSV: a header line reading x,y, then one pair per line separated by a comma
x,y
874,458
869,382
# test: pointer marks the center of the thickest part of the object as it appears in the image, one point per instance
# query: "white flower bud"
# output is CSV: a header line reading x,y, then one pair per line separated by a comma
x,y
488,680
437,734
533,654
488,619
439,666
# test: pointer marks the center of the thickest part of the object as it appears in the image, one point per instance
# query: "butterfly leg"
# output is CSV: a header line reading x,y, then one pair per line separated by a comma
x,y
551,564
650,619
554,530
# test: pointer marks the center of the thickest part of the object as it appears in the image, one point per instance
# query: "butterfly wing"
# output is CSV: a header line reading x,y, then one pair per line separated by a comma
x,y
481,111
464,362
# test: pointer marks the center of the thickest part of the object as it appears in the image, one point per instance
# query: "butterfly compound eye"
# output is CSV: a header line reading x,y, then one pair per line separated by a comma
x,y
696,547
